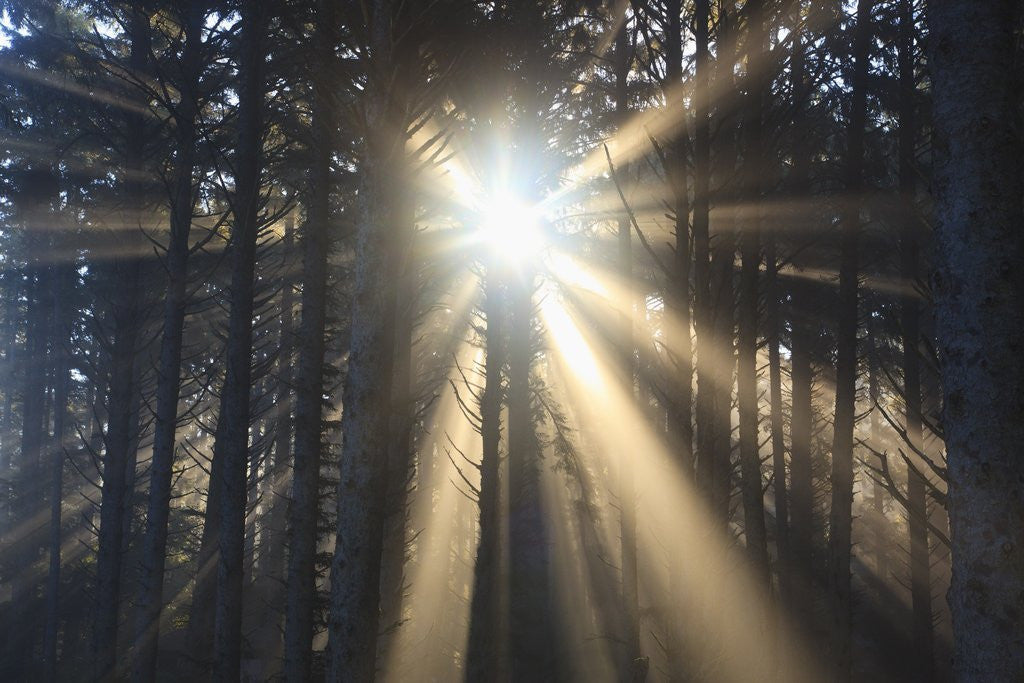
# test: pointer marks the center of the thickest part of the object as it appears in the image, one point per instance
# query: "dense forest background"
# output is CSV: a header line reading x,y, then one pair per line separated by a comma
x,y
511,341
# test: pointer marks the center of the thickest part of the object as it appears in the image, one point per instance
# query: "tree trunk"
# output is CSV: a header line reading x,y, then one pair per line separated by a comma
x,y
355,571
702,312
531,630
880,537
841,515
799,571
747,315
485,661
235,394
917,517
275,572
678,303
64,284
626,484
151,579
204,592
309,385
979,286
29,491
773,325
127,317
723,257
400,448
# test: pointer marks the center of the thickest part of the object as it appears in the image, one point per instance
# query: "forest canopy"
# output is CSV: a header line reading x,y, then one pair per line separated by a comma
x,y
527,340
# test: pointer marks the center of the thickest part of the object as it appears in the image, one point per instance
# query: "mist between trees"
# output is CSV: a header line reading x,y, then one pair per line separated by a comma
x,y
511,341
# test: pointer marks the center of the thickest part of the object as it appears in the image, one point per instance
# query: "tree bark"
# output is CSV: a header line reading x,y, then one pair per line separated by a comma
x,y
400,448
275,573
979,286
917,514
626,484
798,573
64,284
127,323
532,647
151,579
204,593
749,299
702,250
841,512
235,394
678,302
309,385
355,571
485,660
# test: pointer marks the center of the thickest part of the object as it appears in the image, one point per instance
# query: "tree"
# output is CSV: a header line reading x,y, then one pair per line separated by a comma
x,y
235,394
304,506
355,571
977,286
184,113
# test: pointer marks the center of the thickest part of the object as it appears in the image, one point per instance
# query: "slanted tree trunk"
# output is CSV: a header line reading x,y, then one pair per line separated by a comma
x,y
235,394
300,587
841,511
979,291
151,578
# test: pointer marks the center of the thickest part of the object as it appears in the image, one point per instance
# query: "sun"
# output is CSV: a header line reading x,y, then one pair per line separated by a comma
x,y
511,228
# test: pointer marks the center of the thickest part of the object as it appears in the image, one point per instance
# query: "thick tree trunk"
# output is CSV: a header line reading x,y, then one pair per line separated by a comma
x,y
235,394
979,292
841,514
355,571
309,385
151,579
400,448
532,649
